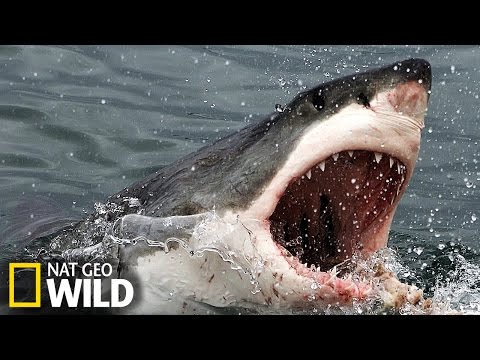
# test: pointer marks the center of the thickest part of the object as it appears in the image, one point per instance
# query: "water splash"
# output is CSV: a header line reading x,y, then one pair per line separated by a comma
x,y
196,234
86,242
460,292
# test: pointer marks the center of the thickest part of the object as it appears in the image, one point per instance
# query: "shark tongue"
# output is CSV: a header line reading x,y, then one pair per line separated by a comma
x,y
322,216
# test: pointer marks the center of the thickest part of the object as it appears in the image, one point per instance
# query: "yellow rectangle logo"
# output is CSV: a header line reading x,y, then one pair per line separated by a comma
x,y
12,303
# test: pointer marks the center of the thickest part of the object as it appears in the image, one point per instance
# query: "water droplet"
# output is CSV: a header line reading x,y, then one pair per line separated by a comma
x,y
418,250
103,101
474,217
441,246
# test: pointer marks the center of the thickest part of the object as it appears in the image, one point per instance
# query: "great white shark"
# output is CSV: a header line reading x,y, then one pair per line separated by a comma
x,y
271,214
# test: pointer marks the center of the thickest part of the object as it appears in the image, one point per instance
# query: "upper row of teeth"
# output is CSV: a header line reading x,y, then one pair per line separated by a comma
x,y
378,157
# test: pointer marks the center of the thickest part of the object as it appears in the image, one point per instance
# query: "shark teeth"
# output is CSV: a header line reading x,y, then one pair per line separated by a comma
x,y
309,174
335,157
350,153
391,162
399,168
401,183
322,166
378,157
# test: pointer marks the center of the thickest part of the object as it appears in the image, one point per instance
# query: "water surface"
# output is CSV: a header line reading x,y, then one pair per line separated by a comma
x,y
79,123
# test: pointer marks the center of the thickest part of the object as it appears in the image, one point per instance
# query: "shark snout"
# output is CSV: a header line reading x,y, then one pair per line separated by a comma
x,y
410,99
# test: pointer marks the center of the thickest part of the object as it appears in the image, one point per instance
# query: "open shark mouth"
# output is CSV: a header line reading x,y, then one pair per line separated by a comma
x,y
323,215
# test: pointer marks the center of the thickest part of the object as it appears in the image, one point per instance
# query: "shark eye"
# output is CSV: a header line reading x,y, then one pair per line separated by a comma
x,y
362,99
318,100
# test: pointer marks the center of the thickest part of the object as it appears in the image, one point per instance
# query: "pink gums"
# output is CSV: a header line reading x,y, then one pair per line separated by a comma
x,y
336,289
409,98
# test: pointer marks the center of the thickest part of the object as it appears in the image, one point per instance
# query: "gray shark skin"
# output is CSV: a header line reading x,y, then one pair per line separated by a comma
x,y
310,185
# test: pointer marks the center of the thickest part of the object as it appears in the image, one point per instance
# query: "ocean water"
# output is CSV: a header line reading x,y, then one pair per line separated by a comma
x,y
78,123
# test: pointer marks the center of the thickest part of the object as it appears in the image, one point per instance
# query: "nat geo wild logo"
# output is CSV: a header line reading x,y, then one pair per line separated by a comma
x,y
72,285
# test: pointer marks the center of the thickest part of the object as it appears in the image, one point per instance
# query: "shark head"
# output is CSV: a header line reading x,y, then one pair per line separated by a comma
x,y
337,191
315,182
342,179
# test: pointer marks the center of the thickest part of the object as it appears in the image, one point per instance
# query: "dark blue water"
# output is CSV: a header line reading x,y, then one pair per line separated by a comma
x,y
79,123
